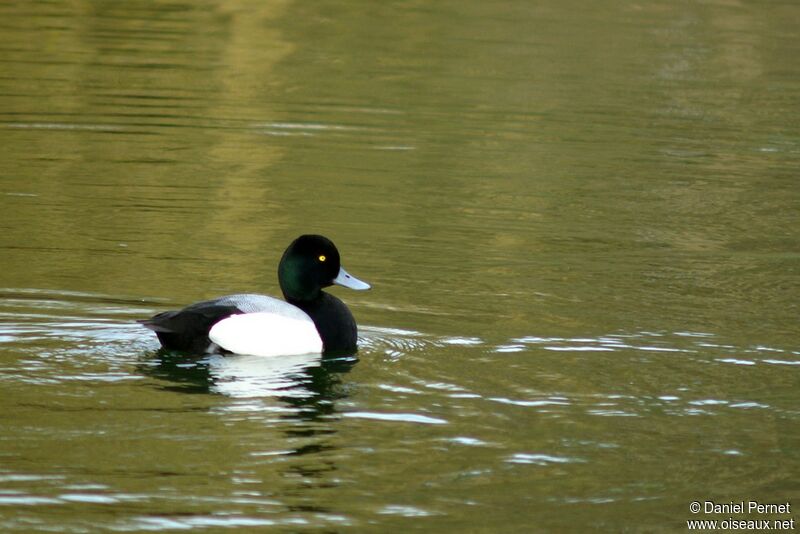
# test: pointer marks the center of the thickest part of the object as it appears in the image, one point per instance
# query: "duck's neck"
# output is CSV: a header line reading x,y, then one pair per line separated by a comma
x,y
301,298
304,301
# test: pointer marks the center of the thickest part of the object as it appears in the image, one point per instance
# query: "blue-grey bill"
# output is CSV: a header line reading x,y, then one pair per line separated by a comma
x,y
346,280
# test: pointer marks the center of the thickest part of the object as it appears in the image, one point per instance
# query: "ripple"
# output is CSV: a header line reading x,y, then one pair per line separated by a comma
x,y
762,348
64,126
399,389
396,417
581,349
612,413
748,405
708,402
21,477
510,348
736,361
464,440
26,500
396,342
392,341
553,401
169,523
405,511
541,459
462,341
89,498
63,336
604,343
782,362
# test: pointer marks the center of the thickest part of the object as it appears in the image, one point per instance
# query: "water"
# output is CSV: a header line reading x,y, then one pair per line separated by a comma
x,y
580,223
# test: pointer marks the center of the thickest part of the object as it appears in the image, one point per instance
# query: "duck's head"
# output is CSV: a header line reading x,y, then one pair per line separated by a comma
x,y
309,264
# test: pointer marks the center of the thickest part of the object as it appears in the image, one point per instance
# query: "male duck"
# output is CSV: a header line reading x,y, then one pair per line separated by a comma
x,y
310,321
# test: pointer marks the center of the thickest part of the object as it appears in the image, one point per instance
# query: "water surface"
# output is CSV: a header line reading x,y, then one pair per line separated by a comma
x,y
580,223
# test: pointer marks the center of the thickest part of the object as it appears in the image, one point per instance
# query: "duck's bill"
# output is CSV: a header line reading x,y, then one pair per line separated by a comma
x,y
346,280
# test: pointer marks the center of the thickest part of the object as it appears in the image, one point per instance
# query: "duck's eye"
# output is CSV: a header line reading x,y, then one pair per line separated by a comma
x,y
322,257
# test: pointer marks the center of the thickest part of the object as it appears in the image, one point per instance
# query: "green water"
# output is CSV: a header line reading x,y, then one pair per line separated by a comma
x,y
581,222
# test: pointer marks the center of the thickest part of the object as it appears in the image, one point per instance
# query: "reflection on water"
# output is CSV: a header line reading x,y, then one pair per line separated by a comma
x,y
295,379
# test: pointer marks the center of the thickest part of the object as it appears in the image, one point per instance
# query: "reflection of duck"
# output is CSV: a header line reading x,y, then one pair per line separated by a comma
x,y
298,380
254,376
310,321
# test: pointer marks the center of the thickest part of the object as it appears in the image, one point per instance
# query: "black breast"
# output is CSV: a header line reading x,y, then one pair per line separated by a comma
x,y
334,322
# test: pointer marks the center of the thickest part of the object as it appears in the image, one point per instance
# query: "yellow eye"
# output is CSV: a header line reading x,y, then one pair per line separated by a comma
x,y
322,258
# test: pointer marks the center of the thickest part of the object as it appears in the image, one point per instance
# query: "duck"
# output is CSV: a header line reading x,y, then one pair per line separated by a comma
x,y
308,320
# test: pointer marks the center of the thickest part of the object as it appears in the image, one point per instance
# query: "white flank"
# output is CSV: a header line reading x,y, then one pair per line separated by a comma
x,y
266,334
